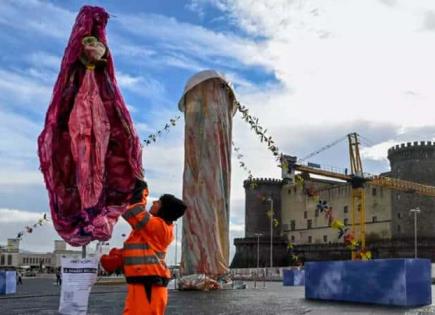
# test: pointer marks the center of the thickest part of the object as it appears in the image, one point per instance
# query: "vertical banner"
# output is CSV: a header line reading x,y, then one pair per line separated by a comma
x,y
78,277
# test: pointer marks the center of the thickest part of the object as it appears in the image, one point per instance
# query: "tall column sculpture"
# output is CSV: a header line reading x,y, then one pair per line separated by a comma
x,y
208,106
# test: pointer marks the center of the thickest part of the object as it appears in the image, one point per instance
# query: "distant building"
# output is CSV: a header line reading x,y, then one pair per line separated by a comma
x,y
12,257
389,227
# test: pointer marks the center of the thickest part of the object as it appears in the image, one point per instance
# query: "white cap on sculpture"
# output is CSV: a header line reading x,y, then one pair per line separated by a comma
x,y
199,78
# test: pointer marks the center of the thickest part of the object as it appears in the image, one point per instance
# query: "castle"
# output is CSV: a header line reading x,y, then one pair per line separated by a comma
x,y
389,225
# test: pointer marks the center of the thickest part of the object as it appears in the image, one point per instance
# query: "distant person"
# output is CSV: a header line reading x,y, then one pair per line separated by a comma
x,y
58,277
19,278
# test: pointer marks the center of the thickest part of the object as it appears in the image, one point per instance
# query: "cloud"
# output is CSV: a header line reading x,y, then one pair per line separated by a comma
x,y
429,21
195,41
18,91
50,21
18,135
17,216
141,85
390,3
13,221
44,59
379,151
18,149
353,74
237,227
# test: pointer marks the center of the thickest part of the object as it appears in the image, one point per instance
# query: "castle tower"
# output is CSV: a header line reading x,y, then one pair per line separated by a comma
x,y
257,220
257,205
413,162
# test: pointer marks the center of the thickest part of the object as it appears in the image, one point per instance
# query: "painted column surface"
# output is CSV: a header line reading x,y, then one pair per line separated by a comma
x,y
209,108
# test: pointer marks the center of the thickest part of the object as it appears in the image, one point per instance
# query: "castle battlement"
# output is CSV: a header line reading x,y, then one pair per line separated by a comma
x,y
262,181
415,146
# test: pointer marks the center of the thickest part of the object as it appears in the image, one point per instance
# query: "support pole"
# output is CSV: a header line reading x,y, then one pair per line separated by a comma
x,y
415,212
271,232
258,259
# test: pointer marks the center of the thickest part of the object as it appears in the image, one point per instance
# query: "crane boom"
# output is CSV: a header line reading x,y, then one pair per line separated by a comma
x,y
383,181
322,172
402,185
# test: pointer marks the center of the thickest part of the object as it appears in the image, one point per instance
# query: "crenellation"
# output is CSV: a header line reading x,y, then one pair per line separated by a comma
x,y
262,181
412,150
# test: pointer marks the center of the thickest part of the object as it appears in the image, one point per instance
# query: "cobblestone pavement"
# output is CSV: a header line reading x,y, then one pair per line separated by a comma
x,y
41,296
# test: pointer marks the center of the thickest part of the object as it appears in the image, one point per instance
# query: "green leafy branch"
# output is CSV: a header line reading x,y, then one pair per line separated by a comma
x,y
259,130
262,134
242,164
152,138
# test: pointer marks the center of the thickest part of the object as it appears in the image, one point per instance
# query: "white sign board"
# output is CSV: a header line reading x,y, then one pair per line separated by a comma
x,y
78,276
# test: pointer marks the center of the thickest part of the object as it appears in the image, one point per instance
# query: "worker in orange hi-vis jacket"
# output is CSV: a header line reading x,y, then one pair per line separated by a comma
x,y
145,249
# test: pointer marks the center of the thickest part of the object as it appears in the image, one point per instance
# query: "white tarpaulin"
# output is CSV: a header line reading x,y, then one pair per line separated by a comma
x,y
78,277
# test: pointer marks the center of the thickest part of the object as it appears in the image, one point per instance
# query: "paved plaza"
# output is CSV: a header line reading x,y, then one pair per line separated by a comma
x,y
41,296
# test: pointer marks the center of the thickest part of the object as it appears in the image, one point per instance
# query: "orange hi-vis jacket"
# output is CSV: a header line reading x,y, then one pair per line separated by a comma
x,y
145,249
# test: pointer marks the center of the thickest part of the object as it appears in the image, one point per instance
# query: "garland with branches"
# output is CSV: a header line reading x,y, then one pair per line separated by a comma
x,y
152,138
261,133
242,164
28,229
343,232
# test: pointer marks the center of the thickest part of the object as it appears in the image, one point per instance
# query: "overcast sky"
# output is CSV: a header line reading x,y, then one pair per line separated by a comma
x,y
312,71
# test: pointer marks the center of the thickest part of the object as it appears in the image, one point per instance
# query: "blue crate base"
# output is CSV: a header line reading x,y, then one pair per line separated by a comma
x,y
293,277
8,282
401,282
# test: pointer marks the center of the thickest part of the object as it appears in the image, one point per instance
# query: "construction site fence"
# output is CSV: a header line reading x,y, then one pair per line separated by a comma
x,y
262,273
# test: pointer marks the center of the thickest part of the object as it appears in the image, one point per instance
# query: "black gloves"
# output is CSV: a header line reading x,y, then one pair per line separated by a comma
x,y
137,193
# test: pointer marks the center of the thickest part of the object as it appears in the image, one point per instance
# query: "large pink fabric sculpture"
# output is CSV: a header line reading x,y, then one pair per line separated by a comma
x,y
89,152
208,106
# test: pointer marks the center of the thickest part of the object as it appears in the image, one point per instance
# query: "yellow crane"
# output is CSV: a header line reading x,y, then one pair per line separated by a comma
x,y
357,179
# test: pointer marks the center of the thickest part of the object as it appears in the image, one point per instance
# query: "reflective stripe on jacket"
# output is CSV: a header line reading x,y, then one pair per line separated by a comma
x,y
145,249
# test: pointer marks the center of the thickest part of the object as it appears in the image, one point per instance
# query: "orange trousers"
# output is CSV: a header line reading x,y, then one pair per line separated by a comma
x,y
136,302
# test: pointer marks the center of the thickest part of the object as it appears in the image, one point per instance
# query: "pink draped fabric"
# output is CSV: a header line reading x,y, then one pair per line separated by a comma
x,y
89,128
89,152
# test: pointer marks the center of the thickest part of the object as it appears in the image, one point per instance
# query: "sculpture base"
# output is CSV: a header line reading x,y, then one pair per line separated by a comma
x,y
400,282
201,282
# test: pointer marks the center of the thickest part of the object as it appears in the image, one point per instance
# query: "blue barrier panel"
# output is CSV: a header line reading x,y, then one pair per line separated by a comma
x,y
402,282
8,282
293,277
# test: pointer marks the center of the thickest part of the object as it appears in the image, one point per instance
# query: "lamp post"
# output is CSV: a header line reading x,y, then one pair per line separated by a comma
x,y
258,256
176,243
176,257
415,212
271,230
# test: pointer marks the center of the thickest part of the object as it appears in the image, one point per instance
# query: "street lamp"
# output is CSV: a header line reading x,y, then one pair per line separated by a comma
x,y
271,230
415,211
176,243
258,256
176,271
